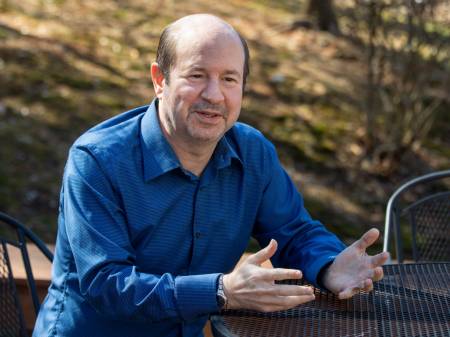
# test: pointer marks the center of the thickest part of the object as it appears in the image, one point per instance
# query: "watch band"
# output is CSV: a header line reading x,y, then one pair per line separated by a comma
x,y
220,295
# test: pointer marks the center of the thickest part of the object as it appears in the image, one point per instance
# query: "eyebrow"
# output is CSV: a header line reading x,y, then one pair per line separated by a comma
x,y
233,72
228,72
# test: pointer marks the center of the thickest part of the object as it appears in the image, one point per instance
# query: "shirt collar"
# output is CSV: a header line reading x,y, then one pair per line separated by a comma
x,y
224,153
159,157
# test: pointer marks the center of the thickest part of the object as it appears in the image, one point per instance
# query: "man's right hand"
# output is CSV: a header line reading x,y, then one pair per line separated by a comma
x,y
251,286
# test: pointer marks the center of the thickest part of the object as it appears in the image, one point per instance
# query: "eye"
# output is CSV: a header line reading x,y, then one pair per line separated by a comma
x,y
230,79
196,76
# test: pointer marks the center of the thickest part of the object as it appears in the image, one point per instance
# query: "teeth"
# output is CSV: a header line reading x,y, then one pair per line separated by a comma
x,y
208,114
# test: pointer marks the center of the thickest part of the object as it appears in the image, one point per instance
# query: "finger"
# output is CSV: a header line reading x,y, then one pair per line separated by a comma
x,y
278,274
277,303
367,239
347,293
378,274
290,290
351,291
380,259
374,274
264,254
293,301
368,286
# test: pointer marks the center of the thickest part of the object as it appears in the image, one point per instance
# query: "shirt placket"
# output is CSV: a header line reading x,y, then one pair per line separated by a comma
x,y
199,230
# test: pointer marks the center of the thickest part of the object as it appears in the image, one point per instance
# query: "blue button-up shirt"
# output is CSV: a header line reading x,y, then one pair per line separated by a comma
x,y
141,241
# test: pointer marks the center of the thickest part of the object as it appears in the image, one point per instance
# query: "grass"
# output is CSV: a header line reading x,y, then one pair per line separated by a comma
x,y
66,65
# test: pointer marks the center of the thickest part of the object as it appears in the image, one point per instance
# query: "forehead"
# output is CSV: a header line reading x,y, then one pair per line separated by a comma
x,y
211,49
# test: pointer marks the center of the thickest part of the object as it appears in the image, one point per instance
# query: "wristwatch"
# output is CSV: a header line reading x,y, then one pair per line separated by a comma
x,y
220,295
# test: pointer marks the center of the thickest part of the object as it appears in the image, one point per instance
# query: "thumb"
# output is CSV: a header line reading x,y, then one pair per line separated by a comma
x,y
367,239
264,254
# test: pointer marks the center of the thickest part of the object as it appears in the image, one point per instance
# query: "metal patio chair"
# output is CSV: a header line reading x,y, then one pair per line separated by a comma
x,y
419,213
13,233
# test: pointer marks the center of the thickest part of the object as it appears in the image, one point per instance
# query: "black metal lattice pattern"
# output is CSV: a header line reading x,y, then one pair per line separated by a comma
x,y
431,222
411,300
10,314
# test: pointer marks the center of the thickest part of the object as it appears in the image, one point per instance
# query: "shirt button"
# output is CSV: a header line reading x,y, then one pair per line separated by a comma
x,y
198,235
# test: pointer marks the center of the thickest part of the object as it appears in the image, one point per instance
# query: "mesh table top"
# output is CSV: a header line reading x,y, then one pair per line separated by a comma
x,y
411,300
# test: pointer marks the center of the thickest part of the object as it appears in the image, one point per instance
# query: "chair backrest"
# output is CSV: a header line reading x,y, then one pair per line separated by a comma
x,y
13,233
418,213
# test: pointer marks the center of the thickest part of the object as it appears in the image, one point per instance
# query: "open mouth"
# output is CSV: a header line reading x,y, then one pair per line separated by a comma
x,y
209,115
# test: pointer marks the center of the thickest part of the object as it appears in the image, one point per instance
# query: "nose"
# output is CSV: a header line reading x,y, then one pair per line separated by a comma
x,y
213,92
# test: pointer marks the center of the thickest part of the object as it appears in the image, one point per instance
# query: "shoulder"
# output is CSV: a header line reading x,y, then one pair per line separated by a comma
x,y
106,147
256,152
249,141
113,137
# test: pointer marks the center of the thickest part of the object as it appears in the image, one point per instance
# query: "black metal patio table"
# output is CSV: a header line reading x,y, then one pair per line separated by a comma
x,y
411,300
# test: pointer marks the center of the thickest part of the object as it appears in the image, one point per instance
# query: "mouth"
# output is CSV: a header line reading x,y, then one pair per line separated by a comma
x,y
208,114
209,117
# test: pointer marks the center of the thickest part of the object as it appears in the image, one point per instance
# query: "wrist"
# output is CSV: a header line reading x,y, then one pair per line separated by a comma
x,y
323,276
221,296
227,291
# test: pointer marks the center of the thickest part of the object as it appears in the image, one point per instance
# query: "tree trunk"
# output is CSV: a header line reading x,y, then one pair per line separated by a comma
x,y
326,17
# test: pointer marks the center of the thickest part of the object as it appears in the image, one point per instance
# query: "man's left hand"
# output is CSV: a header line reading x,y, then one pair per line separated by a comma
x,y
353,270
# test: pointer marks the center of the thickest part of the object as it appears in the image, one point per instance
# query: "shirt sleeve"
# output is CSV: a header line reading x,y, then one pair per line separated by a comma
x,y
303,243
105,260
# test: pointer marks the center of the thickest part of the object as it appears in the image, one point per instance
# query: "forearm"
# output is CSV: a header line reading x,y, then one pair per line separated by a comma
x,y
304,243
124,293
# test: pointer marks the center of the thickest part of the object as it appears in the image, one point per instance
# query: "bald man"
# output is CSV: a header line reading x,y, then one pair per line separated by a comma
x,y
158,204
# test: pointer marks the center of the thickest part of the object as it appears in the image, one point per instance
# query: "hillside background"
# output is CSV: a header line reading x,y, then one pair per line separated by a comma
x,y
67,65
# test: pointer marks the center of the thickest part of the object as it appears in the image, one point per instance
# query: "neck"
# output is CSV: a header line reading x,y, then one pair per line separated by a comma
x,y
193,155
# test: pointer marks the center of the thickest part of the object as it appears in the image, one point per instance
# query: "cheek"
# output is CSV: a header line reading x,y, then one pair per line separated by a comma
x,y
188,93
168,97
181,94
235,102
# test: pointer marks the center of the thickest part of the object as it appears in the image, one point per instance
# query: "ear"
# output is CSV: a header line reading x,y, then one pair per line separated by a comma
x,y
158,80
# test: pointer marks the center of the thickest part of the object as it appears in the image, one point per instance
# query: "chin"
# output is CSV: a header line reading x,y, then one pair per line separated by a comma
x,y
207,135
207,138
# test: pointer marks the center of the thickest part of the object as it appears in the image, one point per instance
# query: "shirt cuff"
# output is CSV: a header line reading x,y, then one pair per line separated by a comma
x,y
196,295
313,272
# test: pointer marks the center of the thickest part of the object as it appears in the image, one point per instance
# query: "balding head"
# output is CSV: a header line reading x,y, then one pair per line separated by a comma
x,y
202,26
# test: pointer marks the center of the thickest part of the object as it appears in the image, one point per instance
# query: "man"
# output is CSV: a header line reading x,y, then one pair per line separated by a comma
x,y
158,205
